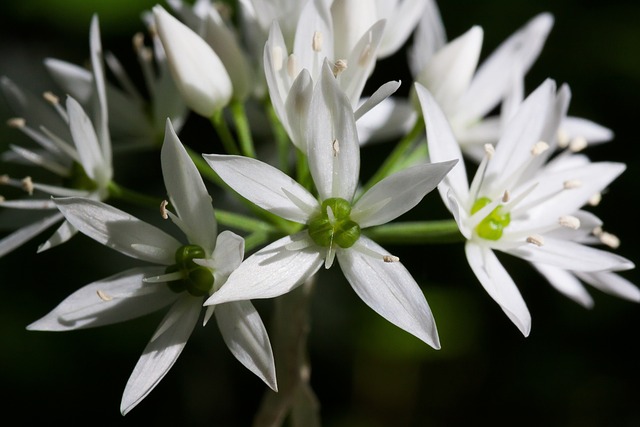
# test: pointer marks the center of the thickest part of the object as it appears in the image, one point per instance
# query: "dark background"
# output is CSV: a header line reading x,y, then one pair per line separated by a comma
x,y
577,368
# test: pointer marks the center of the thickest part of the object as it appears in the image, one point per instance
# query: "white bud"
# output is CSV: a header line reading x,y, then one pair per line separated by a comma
x,y
199,74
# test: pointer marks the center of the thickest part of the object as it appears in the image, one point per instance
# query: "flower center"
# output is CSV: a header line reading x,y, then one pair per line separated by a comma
x,y
492,225
196,279
333,225
79,180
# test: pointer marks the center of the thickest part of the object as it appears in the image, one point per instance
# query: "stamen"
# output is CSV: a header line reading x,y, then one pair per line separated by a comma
x,y
292,66
535,239
578,143
569,221
390,258
16,122
4,179
276,57
607,238
27,185
595,199
51,98
489,150
365,56
316,44
163,209
506,196
339,67
336,148
563,138
137,41
539,148
103,296
2,199
572,183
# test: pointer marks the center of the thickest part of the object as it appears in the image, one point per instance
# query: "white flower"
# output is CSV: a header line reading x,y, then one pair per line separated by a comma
x,y
197,70
72,146
521,202
334,220
187,275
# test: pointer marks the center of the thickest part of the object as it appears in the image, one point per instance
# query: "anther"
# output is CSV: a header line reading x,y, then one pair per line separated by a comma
x,y
2,199
4,179
138,41
595,199
569,221
51,98
390,258
336,148
606,238
578,143
489,150
571,184
563,138
506,196
276,57
27,185
535,239
103,296
316,44
16,122
339,67
539,148
292,66
364,57
163,209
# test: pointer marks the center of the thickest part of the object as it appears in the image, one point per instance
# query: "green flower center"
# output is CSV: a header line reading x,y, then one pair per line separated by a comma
x,y
492,226
79,180
333,225
196,279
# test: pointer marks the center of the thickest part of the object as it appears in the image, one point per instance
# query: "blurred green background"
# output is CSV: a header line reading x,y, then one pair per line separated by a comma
x,y
577,368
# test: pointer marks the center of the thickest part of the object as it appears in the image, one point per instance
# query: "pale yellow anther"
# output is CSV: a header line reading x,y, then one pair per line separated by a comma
x,y
390,258
607,238
571,184
489,150
103,296
138,41
506,196
146,54
292,66
316,43
51,98
4,179
16,122
163,209
27,185
577,144
563,138
595,199
2,199
339,67
276,57
336,147
569,221
365,56
539,148
535,239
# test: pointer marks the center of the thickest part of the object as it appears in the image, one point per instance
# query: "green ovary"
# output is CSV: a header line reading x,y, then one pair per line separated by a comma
x,y
339,230
492,226
196,279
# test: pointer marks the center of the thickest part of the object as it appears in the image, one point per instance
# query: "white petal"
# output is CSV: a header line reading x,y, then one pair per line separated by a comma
x,y
119,230
227,255
398,193
73,79
333,147
99,108
65,232
114,299
263,185
297,106
400,23
315,20
566,283
499,285
429,37
381,94
272,271
389,289
24,234
276,73
161,353
245,335
612,283
391,119
592,132
187,192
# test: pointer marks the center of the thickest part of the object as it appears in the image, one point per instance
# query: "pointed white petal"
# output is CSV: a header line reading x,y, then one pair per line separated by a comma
x,y
401,21
119,230
612,283
297,106
73,79
276,71
227,255
333,147
114,299
391,119
314,23
24,234
381,94
100,111
566,283
499,285
389,289
162,352
402,191
590,131
272,271
263,185
187,192
245,335
61,235
429,37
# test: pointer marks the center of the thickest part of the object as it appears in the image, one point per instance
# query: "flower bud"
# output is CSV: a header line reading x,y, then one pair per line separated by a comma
x,y
199,74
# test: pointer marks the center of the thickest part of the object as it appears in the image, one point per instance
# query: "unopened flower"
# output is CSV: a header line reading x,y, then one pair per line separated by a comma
x,y
186,275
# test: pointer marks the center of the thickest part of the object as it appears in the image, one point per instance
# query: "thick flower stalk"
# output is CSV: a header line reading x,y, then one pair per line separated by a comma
x,y
525,203
333,221
184,275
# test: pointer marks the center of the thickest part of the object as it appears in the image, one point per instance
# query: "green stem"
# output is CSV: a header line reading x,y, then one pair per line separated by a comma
x,y
243,129
418,232
243,222
118,192
396,155
224,133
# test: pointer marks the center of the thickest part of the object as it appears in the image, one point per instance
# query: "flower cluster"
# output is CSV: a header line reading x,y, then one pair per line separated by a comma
x,y
301,202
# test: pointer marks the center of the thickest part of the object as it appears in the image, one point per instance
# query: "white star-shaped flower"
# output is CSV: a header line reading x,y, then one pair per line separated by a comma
x,y
521,201
186,276
333,220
